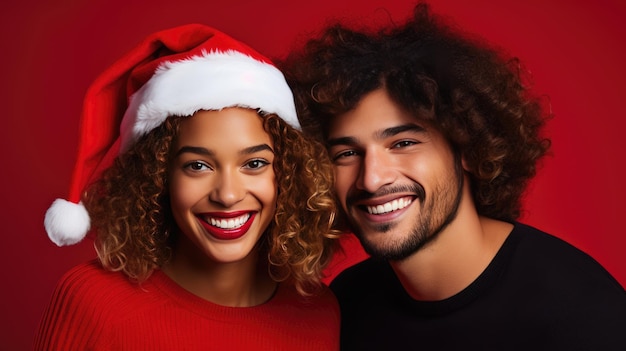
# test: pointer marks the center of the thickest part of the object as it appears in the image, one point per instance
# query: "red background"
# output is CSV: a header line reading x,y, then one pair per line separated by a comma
x,y
52,50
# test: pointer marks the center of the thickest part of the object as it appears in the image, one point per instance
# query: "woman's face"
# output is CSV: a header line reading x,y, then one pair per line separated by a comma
x,y
222,184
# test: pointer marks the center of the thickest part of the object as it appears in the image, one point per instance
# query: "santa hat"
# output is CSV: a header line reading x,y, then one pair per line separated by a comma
x,y
175,72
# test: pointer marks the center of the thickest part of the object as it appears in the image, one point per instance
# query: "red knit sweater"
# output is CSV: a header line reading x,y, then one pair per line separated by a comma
x,y
93,309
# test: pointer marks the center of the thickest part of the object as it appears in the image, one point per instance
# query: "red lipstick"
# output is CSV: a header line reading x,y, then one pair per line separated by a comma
x,y
221,233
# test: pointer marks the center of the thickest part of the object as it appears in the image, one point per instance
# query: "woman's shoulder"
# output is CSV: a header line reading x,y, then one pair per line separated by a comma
x,y
85,270
90,287
85,302
91,277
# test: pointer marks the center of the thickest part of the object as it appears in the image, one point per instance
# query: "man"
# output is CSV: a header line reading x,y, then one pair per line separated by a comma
x,y
434,138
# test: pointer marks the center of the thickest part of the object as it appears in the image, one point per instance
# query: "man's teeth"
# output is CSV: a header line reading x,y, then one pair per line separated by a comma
x,y
389,206
230,223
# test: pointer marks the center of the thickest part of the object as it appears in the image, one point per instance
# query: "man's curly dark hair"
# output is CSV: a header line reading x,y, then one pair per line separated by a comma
x,y
468,90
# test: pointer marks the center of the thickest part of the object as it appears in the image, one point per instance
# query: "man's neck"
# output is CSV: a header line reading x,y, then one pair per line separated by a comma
x,y
455,258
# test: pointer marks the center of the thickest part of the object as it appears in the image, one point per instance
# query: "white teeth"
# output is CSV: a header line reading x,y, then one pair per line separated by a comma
x,y
231,223
389,206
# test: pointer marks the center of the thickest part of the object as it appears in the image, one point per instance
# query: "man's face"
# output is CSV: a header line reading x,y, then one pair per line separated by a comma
x,y
397,179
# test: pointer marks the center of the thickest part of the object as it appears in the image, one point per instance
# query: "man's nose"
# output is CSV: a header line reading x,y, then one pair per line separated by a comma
x,y
376,171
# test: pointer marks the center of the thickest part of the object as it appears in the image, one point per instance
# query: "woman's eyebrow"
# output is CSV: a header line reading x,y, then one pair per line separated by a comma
x,y
256,148
195,150
206,152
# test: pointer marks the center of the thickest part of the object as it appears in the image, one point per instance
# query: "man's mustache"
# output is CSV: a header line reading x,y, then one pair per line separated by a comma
x,y
361,195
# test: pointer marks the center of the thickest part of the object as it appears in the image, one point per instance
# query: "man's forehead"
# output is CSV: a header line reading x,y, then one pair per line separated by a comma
x,y
352,136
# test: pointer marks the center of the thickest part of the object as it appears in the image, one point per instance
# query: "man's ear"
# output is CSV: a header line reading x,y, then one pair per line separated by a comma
x,y
464,164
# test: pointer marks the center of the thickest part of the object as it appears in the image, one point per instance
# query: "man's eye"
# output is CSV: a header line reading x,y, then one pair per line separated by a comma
x,y
345,154
404,143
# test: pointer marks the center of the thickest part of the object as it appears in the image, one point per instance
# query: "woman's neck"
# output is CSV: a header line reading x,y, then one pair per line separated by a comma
x,y
235,284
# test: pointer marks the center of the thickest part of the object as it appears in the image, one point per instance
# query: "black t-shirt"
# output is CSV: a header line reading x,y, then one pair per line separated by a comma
x,y
538,293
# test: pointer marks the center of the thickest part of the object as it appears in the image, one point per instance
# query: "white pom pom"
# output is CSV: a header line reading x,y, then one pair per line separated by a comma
x,y
67,223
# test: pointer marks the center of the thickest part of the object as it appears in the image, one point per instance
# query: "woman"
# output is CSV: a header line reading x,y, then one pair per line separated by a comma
x,y
212,212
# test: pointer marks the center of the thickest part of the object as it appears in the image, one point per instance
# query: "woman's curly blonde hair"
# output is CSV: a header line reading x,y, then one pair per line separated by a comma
x,y
130,209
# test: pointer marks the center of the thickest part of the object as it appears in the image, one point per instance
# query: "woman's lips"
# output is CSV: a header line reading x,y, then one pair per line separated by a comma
x,y
227,226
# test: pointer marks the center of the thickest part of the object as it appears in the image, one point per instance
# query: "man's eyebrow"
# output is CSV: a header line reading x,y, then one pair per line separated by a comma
x,y
409,127
341,141
385,133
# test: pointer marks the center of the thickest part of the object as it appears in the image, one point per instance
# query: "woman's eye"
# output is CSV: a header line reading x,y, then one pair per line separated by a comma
x,y
197,166
256,164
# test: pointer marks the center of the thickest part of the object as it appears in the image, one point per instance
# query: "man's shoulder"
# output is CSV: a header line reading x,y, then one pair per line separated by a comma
x,y
552,256
550,246
547,246
363,275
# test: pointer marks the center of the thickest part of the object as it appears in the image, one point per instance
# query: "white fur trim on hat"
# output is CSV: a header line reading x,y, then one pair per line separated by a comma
x,y
67,223
213,81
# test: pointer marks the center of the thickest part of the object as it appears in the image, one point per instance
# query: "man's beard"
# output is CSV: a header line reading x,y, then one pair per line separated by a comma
x,y
436,213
